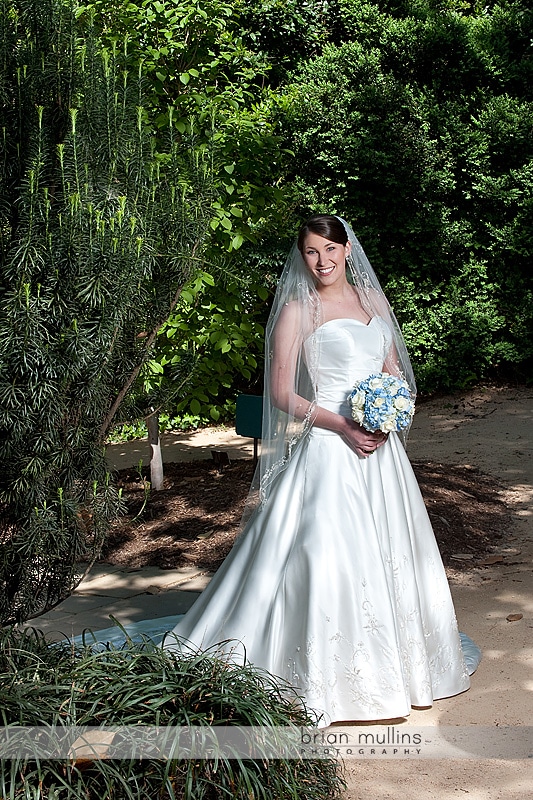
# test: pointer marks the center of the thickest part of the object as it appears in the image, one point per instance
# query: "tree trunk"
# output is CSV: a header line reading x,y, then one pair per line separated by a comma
x,y
156,459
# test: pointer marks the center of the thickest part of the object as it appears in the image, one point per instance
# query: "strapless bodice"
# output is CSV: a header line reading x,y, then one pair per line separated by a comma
x,y
345,351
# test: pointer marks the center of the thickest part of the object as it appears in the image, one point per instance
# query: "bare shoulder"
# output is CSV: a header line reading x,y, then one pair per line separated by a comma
x,y
290,314
289,324
377,300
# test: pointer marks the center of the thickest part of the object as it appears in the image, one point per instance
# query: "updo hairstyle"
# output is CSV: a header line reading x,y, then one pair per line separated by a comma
x,y
324,225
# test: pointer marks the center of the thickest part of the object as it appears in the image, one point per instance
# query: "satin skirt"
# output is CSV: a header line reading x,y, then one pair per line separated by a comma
x,y
338,587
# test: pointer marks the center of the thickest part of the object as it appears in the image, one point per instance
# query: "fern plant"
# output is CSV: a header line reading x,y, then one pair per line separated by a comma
x,y
98,234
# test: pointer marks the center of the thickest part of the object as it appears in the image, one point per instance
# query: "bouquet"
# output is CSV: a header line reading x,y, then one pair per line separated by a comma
x,y
382,402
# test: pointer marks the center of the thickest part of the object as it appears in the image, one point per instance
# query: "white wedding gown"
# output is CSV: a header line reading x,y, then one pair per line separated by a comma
x,y
337,585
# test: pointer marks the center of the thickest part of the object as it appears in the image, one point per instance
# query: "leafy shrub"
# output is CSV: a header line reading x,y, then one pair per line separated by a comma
x,y
417,127
140,684
221,326
455,331
210,350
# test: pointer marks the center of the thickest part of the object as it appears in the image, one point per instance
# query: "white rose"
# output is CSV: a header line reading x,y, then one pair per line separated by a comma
x,y
358,416
402,403
375,383
378,402
358,399
388,425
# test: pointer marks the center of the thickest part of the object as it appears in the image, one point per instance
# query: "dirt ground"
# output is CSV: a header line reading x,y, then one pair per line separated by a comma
x,y
473,457
193,521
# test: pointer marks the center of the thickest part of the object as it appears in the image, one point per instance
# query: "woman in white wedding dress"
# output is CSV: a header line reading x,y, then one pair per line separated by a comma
x,y
336,583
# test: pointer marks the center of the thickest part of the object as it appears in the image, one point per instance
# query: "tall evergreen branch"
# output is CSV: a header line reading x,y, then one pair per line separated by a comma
x,y
88,209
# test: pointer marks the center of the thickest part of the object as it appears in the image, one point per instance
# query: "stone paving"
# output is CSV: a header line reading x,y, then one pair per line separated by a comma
x,y
127,595
131,595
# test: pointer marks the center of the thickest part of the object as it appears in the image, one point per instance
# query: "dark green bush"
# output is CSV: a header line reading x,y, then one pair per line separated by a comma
x,y
140,684
98,235
417,127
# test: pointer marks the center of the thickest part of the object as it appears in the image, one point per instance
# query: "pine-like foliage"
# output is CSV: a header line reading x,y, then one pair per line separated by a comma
x,y
98,233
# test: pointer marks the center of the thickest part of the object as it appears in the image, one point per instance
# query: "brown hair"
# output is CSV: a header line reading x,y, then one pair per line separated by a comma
x,y
325,225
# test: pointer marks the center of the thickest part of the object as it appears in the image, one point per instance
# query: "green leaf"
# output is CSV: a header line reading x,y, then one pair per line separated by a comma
x,y
156,367
208,278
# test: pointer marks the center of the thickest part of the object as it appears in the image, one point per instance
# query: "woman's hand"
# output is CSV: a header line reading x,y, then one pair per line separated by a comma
x,y
363,442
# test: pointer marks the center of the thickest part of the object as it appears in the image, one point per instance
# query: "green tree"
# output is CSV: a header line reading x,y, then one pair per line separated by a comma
x,y
200,65
98,235
286,32
199,68
417,126
410,117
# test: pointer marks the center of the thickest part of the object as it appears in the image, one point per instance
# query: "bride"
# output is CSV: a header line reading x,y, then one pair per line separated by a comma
x,y
336,583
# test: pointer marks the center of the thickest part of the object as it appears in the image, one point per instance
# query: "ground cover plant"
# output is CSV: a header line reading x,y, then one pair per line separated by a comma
x,y
140,684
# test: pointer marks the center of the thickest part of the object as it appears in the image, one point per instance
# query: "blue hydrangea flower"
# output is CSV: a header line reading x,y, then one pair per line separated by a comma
x,y
382,402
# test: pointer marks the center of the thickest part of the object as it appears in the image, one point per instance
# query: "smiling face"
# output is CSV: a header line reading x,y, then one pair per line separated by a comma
x,y
325,260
